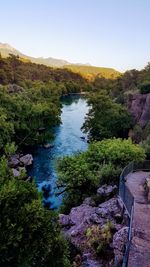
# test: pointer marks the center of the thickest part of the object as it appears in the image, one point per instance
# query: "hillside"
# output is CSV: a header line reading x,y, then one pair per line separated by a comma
x,y
92,71
86,70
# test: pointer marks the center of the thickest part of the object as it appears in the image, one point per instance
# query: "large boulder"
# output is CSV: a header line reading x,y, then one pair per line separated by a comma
x,y
26,160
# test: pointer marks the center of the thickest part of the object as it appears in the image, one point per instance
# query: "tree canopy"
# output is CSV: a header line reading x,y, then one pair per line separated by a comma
x,y
81,174
29,234
106,118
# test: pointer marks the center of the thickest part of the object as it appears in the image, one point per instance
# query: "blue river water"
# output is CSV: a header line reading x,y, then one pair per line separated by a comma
x,y
68,140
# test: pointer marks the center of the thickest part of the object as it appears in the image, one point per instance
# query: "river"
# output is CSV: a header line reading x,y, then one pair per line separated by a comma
x,y
67,141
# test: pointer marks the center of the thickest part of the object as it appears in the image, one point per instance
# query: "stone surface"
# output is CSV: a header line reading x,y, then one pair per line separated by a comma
x,y
14,161
15,172
120,239
89,201
107,190
75,224
26,160
138,104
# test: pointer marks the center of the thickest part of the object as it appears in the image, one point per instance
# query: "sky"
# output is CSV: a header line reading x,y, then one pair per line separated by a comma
x,y
106,33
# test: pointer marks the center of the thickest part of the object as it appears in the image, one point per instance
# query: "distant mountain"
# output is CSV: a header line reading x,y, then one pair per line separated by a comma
x,y
86,70
6,49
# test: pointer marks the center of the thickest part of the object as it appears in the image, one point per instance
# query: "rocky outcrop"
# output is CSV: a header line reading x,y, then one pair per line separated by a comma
x,y
107,190
18,163
26,160
139,106
75,224
120,240
20,160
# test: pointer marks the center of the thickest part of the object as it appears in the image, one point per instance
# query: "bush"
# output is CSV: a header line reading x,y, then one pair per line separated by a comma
x,y
99,239
29,234
145,87
80,175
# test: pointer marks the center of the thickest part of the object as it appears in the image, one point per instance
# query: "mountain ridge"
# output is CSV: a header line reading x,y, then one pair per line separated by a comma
x,y
87,70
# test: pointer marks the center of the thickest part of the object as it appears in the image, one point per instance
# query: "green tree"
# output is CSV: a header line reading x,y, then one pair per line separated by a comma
x,y
29,234
106,118
80,175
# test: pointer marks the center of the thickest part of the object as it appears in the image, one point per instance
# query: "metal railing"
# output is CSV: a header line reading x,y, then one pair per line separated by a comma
x,y
124,192
128,199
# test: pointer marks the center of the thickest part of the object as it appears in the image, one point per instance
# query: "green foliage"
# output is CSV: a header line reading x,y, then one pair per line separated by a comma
x,y
29,234
106,118
10,149
145,87
24,113
146,146
80,175
99,239
91,72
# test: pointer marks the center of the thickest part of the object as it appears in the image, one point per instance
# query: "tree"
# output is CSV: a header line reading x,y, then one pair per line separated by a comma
x,y
106,118
29,234
145,87
80,175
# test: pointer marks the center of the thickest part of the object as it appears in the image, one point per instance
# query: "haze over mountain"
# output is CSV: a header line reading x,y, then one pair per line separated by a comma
x,y
86,70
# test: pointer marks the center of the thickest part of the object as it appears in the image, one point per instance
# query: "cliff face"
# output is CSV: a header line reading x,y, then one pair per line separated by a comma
x,y
139,106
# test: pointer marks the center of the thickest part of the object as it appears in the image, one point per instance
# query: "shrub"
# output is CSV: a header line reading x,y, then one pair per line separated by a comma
x,y
145,87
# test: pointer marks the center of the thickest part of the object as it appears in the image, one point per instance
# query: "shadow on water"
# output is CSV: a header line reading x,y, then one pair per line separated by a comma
x,y
68,140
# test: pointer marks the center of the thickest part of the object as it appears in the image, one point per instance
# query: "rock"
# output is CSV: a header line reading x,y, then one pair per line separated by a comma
x,y
48,146
89,201
14,161
15,172
14,88
147,181
107,190
64,220
92,263
19,171
120,239
26,160
138,104
75,224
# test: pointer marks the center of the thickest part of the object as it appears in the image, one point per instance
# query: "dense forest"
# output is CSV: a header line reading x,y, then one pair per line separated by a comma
x,y
30,108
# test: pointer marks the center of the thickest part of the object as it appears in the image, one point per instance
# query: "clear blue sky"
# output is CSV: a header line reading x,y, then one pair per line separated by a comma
x,y
111,33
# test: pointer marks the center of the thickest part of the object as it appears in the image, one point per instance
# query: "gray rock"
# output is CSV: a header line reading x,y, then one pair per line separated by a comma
x,y
92,263
138,104
107,190
26,160
89,201
14,161
15,172
120,239
64,220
